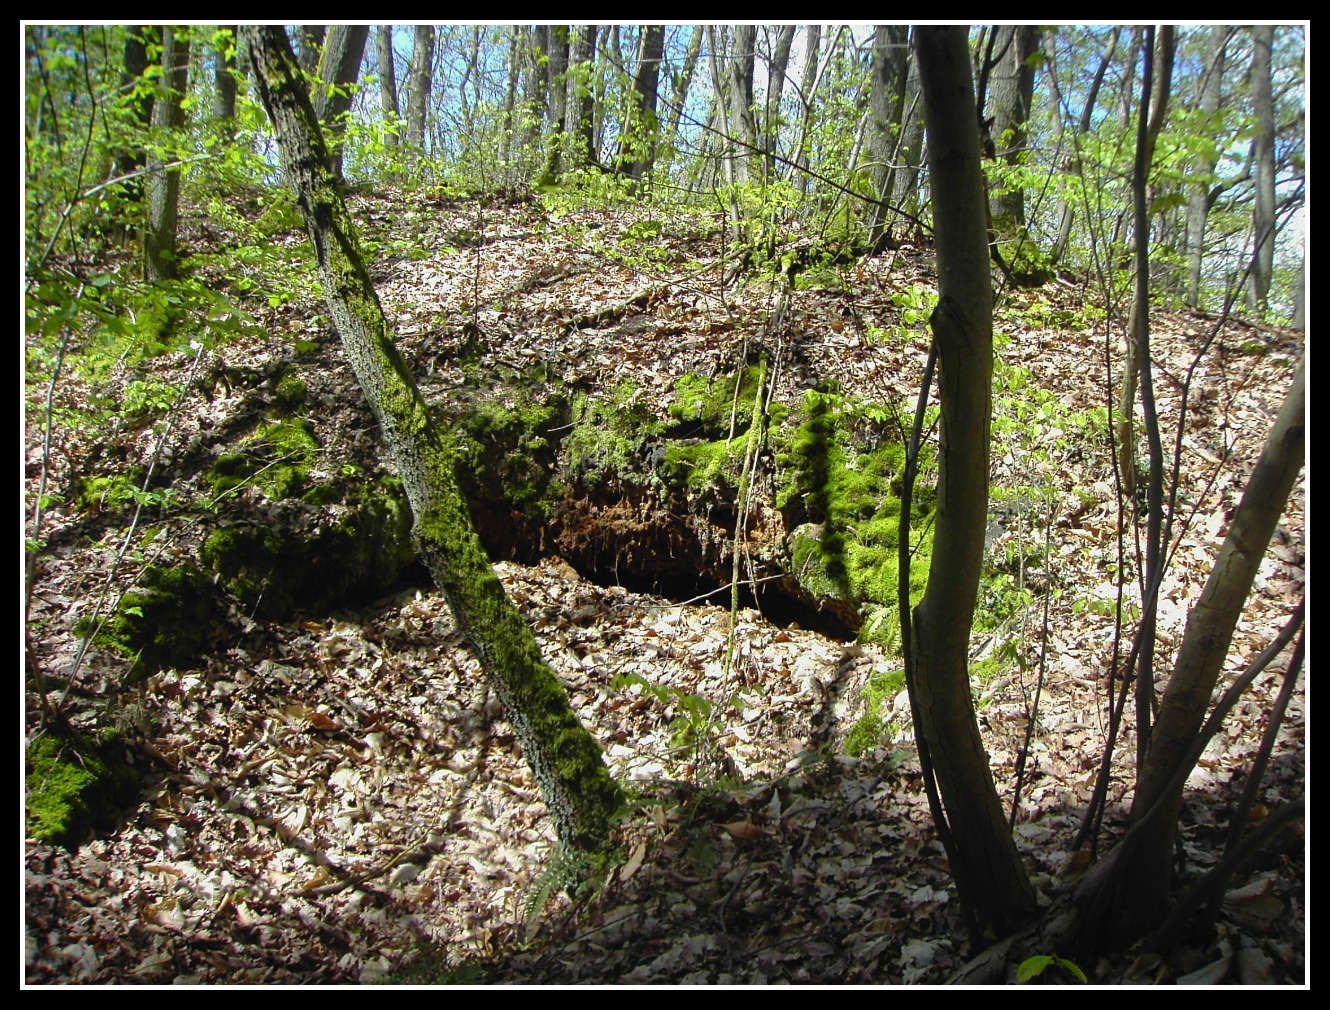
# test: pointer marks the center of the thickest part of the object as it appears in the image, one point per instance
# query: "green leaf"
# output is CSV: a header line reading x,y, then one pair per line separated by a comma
x,y
1033,967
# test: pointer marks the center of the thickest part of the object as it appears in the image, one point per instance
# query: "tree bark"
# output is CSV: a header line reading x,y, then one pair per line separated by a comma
x,y
311,44
387,64
224,78
536,88
780,62
1263,157
140,99
159,238
582,98
637,150
566,761
515,33
1198,198
910,148
807,98
739,101
1012,94
986,865
1205,645
556,107
339,68
886,105
419,83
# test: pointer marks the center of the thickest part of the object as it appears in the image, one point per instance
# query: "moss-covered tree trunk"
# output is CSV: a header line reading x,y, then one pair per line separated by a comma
x,y
987,867
567,762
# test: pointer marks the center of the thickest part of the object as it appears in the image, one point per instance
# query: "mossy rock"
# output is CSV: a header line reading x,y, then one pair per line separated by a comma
x,y
290,394
839,490
74,789
704,406
508,455
1028,267
276,459
609,439
705,467
167,621
364,553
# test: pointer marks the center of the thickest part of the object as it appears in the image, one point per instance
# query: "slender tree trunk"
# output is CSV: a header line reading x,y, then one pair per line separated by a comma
x,y
387,63
886,105
780,62
224,79
464,101
339,69
1205,645
557,105
681,84
987,867
1012,94
566,761
128,160
159,238
910,149
582,98
536,89
807,99
419,82
739,99
1198,196
507,126
1072,163
1263,157
1138,316
637,150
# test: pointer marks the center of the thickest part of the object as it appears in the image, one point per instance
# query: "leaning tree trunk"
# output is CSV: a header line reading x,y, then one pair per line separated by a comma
x,y
566,761
1205,646
985,862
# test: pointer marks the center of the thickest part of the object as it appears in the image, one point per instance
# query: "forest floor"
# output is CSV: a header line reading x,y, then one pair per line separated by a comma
x,y
337,798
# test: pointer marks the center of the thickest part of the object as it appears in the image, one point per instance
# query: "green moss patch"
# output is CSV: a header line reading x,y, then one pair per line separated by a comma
x,y
705,406
74,789
839,489
870,728
364,553
610,436
508,455
167,620
275,459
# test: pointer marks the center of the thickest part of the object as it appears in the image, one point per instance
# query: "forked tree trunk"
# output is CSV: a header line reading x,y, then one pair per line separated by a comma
x,y
566,761
986,865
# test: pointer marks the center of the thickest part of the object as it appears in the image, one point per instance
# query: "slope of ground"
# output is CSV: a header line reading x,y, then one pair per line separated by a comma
x,y
331,797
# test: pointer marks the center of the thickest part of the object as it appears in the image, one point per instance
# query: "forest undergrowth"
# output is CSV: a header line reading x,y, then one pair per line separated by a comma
x,y
332,795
